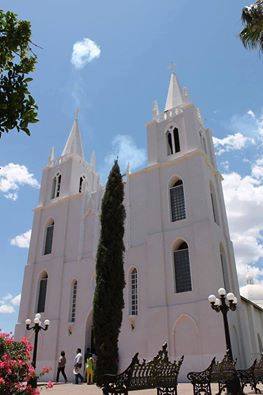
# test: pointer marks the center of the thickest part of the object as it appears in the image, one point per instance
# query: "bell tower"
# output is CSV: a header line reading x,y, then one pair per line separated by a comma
x,y
59,254
179,237
178,129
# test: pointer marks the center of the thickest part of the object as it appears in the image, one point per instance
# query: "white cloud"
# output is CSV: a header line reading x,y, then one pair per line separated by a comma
x,y
225,165
16,300
6,309
257,169
7,297
8,303
22,241
244,202
12,177
84,52
12,196
253,292
232,142
125,149
251,113
246,129
248,124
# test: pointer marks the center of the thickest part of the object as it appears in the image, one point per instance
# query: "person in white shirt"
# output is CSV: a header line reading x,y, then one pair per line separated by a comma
x,y
78,366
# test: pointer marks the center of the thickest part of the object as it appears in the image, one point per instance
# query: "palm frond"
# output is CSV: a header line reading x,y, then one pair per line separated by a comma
x,y
252,33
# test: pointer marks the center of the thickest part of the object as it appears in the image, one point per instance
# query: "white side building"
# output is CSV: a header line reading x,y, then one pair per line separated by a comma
x,y
178,249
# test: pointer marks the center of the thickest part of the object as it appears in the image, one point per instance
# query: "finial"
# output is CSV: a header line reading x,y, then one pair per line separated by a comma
x,y
155,110
76,114
93,160
172,67
249,276
128,170
186,95
51,157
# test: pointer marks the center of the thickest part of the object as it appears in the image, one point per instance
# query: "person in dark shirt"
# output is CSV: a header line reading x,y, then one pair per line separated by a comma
x,y
61,366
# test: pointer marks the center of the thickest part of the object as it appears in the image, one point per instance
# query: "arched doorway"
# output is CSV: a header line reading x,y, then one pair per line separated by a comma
x,y
89,338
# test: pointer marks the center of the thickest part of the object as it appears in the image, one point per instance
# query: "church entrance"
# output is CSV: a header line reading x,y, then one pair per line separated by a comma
x,y
89,338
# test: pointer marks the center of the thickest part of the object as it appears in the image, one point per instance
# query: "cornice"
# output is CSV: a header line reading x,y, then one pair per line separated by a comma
x,y
182,157
57,201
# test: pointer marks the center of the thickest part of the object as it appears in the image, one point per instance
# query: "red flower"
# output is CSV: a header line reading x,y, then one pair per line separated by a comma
x,y
50,385
15,367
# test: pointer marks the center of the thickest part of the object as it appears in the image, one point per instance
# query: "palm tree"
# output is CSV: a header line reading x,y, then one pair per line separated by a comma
x,y
252,34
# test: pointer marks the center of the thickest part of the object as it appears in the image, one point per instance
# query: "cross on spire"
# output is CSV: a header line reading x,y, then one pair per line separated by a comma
x,y
76,114
172,67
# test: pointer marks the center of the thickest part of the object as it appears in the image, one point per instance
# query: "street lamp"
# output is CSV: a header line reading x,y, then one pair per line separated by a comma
x,y
36,327
223,304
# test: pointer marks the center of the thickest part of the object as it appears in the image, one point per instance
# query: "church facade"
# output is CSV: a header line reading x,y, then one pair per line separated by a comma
x,y
178,250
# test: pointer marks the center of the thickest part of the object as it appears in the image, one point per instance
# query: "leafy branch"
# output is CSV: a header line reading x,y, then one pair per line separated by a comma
x,y
17,106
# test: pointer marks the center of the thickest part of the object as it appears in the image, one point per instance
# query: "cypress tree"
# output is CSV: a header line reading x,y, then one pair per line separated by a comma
x,y
108,298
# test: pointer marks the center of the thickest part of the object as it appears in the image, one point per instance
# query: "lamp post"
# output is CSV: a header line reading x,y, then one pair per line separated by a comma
x,y
36,327
224,304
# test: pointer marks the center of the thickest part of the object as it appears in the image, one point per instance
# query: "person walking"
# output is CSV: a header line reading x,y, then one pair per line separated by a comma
x,y
90,369
78,366
61,366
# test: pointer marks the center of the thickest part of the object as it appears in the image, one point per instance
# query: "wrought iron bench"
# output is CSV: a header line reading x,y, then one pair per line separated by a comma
x,y
258,373
159,373
246,376
225,374
201,381
252,376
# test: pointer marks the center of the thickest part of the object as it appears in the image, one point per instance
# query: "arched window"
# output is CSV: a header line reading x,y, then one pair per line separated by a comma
x,y
173,142
49,238
56,183
81,181
73,300
224,268
177,201
182,271
214,204
133,308
42,292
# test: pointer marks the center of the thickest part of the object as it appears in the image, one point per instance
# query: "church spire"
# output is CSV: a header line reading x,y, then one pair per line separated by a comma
x,y
175,96
74,144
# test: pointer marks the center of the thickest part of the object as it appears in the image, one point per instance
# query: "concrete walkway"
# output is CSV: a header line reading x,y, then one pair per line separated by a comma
x,y
68,389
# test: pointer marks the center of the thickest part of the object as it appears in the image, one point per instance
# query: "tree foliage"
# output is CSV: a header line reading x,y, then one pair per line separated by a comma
x,y
108,299
252,33
17,106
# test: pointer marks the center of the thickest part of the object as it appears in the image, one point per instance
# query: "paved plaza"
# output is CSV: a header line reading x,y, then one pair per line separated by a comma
x,y
183,389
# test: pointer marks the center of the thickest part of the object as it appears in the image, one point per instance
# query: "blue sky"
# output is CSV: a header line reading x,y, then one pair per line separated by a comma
x,y
137,41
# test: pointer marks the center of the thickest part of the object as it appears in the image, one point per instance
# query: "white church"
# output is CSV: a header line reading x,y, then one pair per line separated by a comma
x,y
178,250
